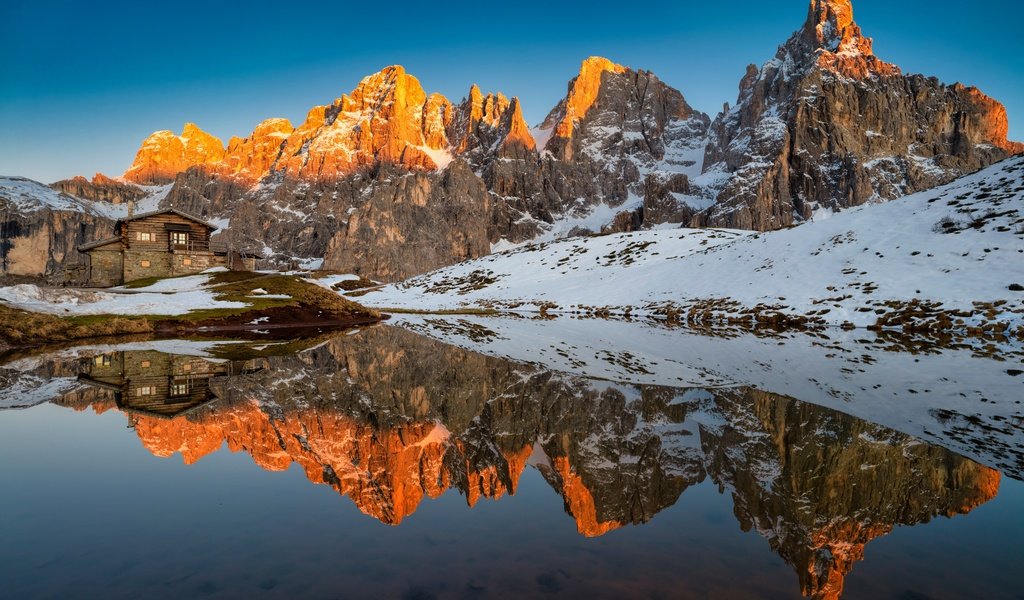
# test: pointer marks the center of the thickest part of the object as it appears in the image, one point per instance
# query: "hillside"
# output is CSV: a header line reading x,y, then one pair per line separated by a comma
x,y
949,258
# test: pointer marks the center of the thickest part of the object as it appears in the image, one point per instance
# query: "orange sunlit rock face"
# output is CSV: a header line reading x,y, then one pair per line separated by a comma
x,y
163,155
843,48
387,119
583,92
990,123
518,131
250,159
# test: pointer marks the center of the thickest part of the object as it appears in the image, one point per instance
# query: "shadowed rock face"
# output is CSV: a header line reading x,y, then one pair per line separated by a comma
x,y
617,135
39,239
387,237
827,125
389,418
100,189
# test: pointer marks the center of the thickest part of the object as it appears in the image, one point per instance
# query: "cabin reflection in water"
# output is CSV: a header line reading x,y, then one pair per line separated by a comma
x,y
159,384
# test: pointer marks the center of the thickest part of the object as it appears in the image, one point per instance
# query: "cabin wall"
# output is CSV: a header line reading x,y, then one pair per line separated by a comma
x,y
106,267
140,264
184,263
235,261
108,368
156,227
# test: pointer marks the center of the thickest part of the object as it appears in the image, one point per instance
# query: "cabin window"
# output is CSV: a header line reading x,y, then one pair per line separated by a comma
x,y
179,388
145,364
186,367
187,262
179,238
146,390
144,236
144,263
102,361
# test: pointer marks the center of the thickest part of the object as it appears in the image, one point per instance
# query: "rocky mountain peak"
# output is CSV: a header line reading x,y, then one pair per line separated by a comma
x,y
831,39
250,159
583,92
164,154
826,125
518,132
389,85
387,119
827,19
483,123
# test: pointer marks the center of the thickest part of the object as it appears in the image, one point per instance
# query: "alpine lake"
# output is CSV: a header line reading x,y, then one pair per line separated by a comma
x,y
497,457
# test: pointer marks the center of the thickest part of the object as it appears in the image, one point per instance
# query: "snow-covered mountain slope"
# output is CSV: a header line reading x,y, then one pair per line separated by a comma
x,y
962,397
949,258
26,196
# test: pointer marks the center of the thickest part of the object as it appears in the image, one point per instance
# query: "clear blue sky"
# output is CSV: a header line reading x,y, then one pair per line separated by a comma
x,y
82,83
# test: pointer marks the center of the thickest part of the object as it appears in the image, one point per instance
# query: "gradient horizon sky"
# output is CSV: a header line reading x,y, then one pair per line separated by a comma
x,y
83,83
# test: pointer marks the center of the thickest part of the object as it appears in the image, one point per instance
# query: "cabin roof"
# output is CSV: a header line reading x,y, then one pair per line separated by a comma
x,y
165,211
98,243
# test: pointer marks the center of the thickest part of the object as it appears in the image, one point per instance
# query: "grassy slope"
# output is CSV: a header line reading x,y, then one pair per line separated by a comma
x,y
21,328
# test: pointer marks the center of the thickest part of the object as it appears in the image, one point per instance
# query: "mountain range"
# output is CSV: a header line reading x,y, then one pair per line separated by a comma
x,y
389,181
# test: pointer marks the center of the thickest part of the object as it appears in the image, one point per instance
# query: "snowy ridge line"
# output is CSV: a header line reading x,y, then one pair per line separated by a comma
x,y
950,259
28,196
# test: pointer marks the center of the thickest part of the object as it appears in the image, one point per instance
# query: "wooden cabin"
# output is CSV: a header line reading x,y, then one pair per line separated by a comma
x,y
159,384
164,243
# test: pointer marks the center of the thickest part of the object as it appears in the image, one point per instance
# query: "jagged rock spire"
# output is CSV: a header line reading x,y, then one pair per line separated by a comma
x,y
832,40
830,26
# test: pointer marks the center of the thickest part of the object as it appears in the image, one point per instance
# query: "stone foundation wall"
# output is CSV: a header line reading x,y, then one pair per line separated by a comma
x,y
106,268
140,264
184,263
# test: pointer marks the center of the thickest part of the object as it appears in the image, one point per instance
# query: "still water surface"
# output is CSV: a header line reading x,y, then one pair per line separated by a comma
x,y
384,463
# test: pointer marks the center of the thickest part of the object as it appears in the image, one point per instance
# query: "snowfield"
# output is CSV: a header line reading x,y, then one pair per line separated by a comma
x,y
948,258
168,297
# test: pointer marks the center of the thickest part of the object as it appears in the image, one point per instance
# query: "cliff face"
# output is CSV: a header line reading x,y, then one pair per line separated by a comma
x,y
100,189
40,229
827,125
384,236
163,155
390,419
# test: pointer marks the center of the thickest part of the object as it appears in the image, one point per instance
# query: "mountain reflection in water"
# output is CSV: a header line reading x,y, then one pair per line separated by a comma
x,y
389,418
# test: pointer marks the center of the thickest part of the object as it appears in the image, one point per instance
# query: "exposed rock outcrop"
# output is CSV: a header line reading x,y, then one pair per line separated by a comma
x,y
827,125
413,223
163,155
40,229
250,159
100,189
